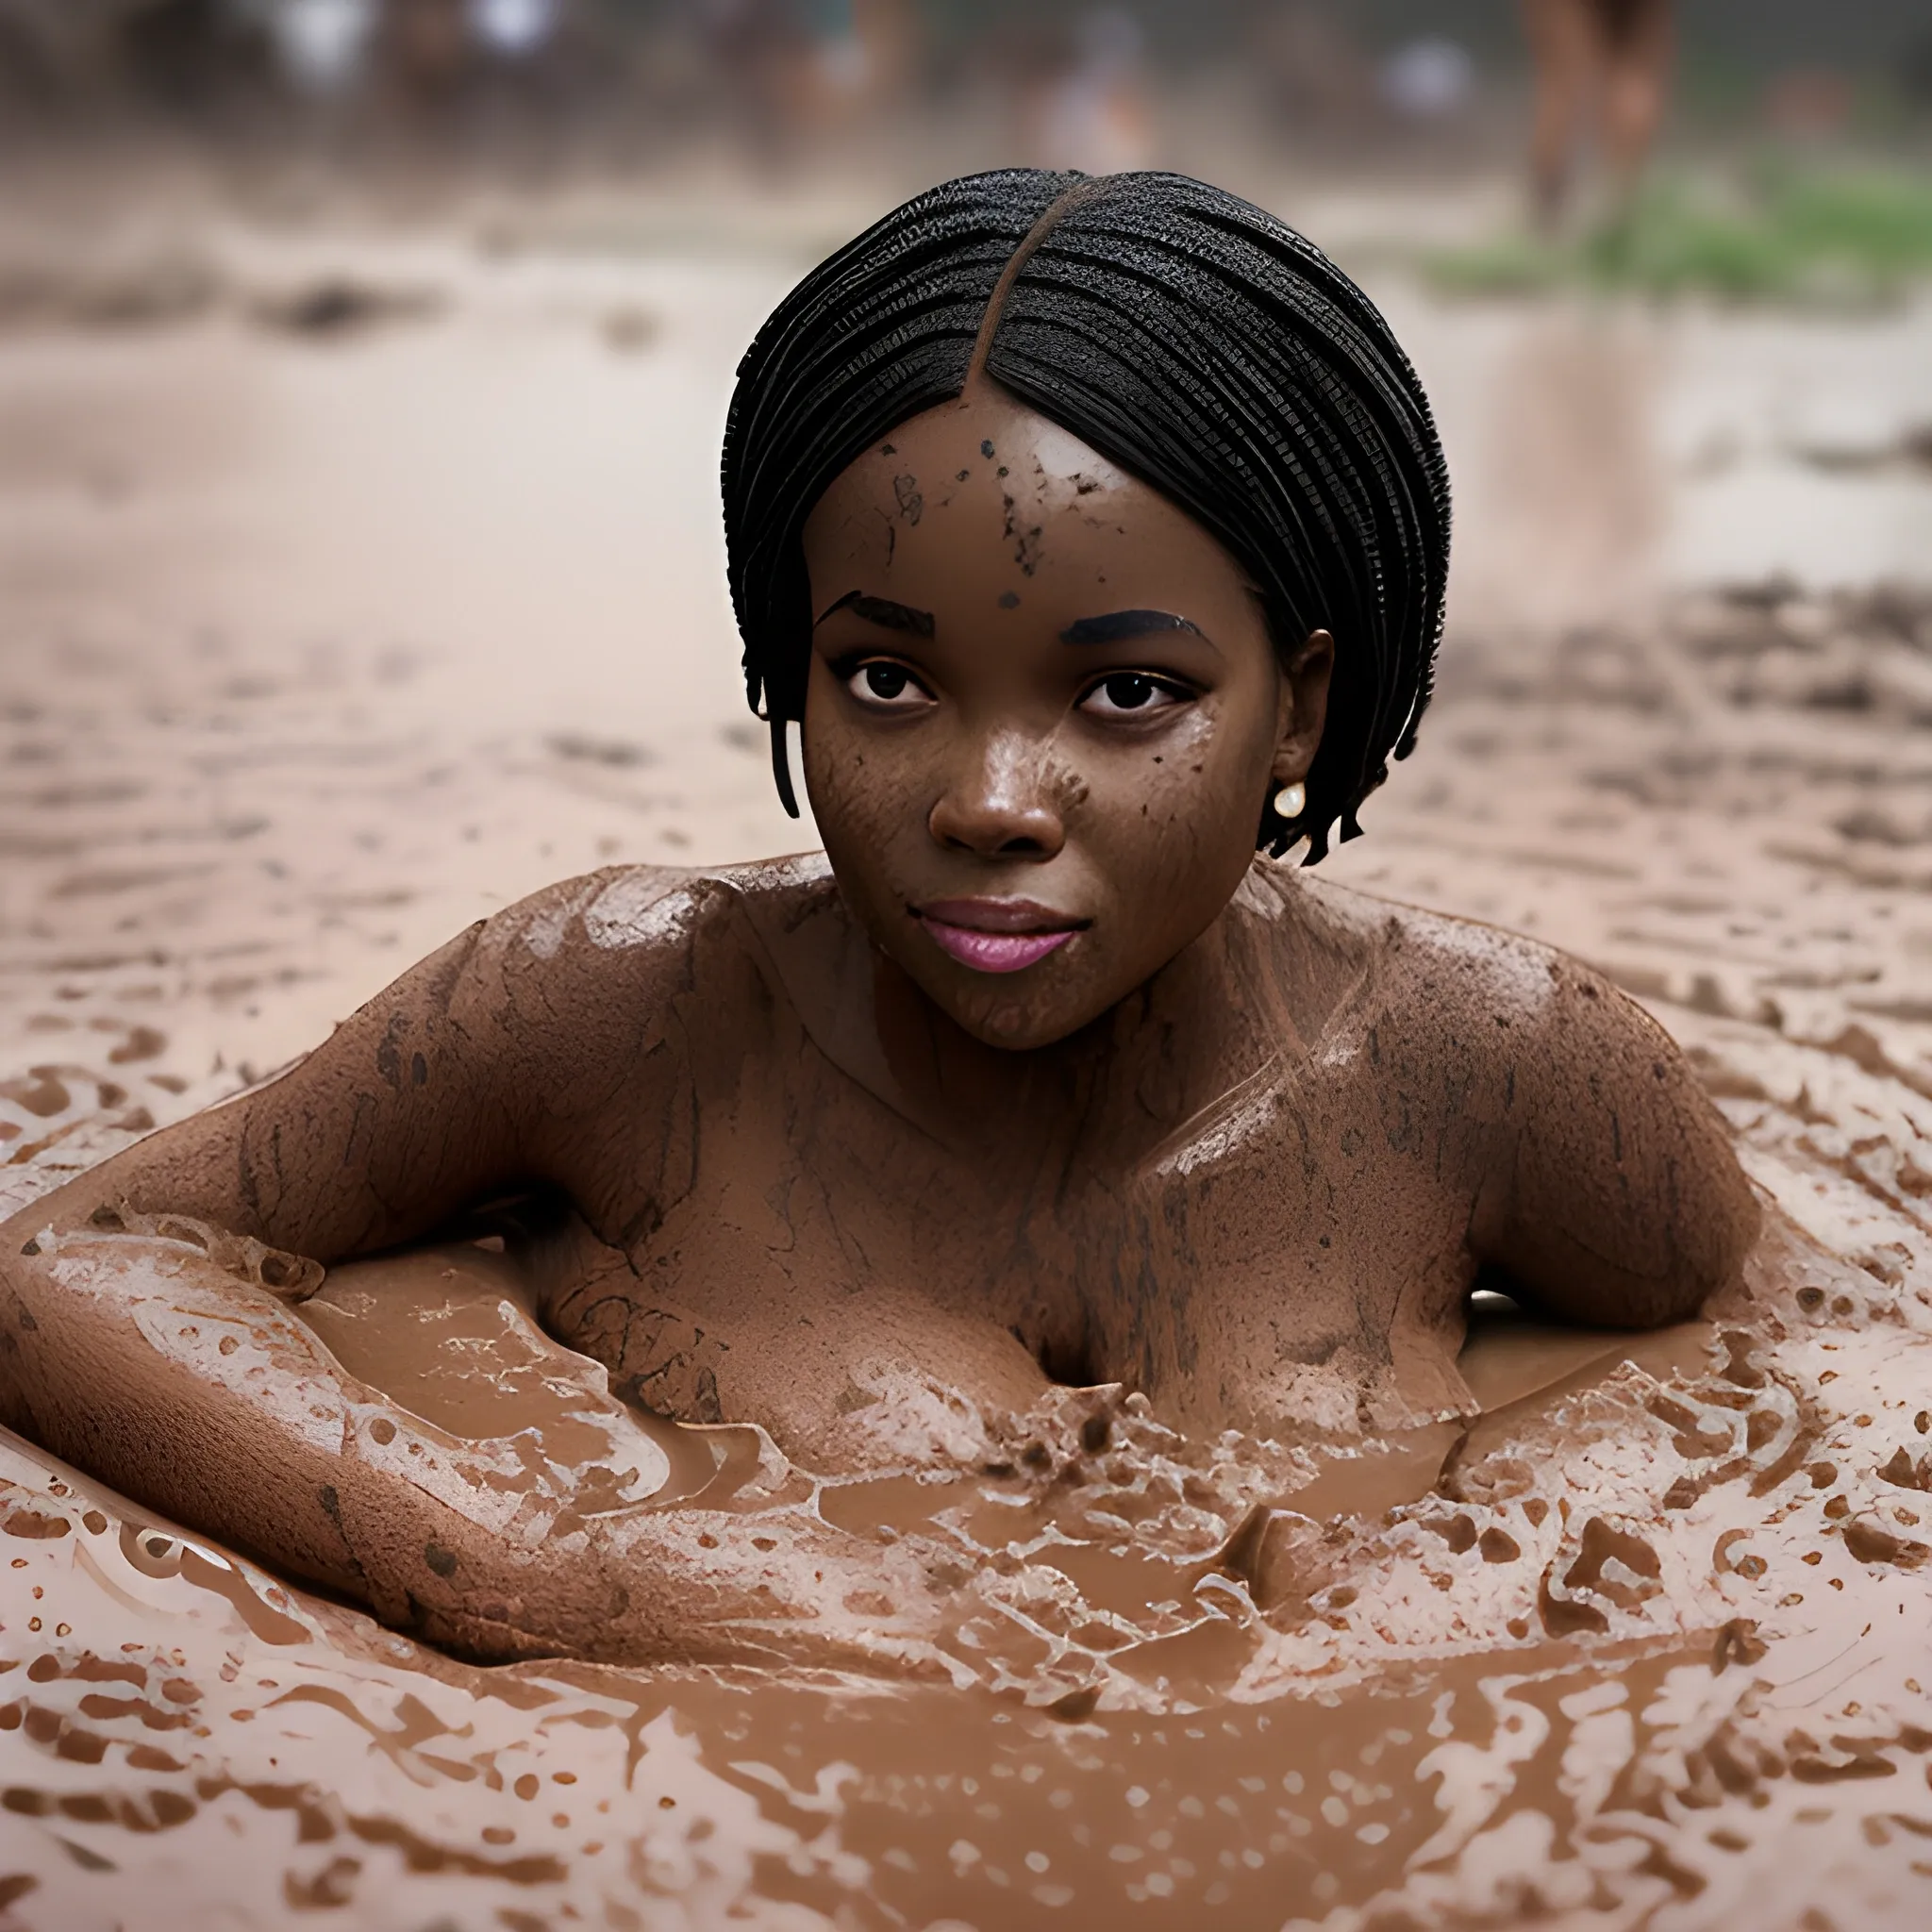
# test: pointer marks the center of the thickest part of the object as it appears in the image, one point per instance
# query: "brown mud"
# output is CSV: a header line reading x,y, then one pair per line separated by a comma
x,y
1646,1646
1653,1626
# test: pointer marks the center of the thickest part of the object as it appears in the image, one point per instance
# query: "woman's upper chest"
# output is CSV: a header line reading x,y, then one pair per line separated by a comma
x,y
1346,1156
1272,1088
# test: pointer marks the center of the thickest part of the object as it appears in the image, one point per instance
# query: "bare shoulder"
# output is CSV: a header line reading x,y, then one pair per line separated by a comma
x,y
1464,981
632,932
1609,1187
635,917
580,978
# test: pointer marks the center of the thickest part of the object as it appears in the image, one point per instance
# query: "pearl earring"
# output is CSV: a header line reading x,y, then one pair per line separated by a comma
x,y
1291,801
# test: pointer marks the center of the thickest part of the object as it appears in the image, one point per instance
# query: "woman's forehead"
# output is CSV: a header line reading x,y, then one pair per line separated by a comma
x,y
985,493
985,447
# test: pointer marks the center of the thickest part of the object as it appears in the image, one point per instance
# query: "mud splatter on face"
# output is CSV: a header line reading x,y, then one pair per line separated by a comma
x,y
1024,723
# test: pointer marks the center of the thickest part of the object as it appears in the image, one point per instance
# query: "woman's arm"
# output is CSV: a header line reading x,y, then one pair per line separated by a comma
x,y
144,1331
146,1361
541,1044
181,1376
1612,1193
406,1110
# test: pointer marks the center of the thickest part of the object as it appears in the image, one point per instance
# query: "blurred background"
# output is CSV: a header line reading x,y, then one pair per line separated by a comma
x,y
364,365
914,87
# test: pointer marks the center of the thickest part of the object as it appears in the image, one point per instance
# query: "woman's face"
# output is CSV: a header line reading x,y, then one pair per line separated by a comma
x,y
1043,716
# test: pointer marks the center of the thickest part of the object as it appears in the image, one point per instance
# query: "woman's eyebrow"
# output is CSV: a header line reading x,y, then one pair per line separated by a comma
x,y
884,612
1118,625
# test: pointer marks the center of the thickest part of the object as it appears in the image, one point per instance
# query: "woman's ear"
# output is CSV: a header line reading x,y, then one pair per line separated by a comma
x,y
1303,707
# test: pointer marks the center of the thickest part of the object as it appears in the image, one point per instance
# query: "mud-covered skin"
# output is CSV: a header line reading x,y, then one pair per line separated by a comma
x,y
1010,573
811,1202
1238,1141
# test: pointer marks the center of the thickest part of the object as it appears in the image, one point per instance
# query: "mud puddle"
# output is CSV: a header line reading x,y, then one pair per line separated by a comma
x,y
1650,1627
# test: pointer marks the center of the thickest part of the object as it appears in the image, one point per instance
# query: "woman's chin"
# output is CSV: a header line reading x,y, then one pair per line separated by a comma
x,y
1037,1004
1016,1019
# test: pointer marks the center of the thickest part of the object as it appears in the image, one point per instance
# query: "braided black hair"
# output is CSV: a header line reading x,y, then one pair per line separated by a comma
x,y
1185,335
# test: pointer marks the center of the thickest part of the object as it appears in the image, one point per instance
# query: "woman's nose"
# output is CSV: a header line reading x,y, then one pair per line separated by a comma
x,y
1000,802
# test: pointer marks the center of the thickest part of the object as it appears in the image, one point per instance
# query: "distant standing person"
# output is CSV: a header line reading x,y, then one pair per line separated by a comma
x,y
1606,60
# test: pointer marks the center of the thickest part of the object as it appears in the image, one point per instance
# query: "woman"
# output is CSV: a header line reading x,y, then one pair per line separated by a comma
x,y
1094,534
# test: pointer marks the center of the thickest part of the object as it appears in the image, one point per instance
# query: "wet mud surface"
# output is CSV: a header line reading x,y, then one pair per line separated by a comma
x,y
1647,1639
1646,1645
1650,1631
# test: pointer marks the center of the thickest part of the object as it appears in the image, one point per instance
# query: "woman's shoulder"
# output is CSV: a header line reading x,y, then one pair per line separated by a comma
x,y
578,967
631,965
630,917
1447,972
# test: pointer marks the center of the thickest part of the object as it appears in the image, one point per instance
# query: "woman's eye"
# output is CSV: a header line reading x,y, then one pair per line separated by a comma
x,y
886,686
1129,694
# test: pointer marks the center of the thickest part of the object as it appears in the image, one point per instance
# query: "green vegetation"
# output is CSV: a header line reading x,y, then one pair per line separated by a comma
x,y
1841,239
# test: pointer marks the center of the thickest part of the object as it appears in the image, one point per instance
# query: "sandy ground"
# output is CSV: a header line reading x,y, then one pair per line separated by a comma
x,y
355,581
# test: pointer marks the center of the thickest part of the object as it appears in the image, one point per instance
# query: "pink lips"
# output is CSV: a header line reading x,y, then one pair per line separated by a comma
x,y
996,935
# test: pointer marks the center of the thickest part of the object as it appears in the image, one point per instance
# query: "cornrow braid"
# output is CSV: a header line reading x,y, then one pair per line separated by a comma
x,y
1184,334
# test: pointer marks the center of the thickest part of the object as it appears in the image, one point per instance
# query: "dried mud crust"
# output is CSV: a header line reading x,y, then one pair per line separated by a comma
x,y
1646,1648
